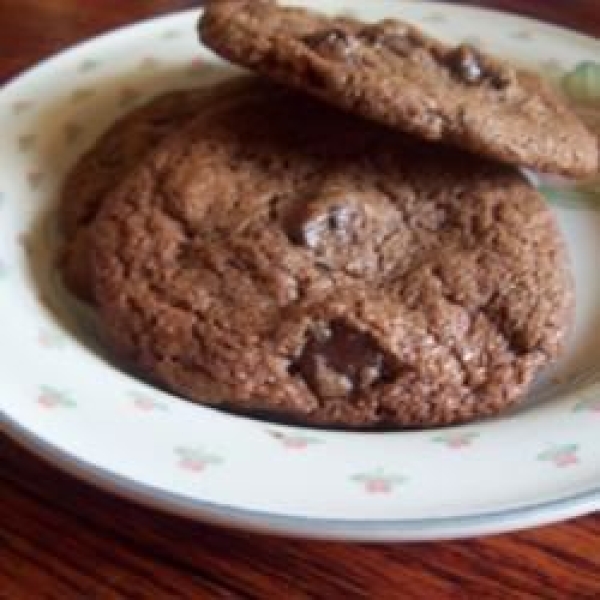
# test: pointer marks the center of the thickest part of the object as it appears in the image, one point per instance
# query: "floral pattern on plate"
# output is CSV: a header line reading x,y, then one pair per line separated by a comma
x,y
378,481
51,397
196,459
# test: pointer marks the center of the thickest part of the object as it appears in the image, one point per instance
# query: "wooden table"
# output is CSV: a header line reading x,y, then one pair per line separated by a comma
x,y
63,540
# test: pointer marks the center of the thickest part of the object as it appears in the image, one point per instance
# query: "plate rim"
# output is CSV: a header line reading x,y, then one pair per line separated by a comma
x,y
373,530
384,530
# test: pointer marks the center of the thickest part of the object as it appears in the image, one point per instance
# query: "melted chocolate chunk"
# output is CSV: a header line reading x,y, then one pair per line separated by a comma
x,y
394,38
331,43
311,228
465,62
338,360
308,232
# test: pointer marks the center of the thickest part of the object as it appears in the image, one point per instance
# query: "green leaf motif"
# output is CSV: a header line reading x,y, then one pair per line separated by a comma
x,y
558,451
89,64
147,402
172,34
295,438
51,339
198,454
457,439
378,475
435,17
51,396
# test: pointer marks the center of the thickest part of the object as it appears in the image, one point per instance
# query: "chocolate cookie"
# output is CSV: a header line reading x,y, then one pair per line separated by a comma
x,y
282,256
393,73
108,161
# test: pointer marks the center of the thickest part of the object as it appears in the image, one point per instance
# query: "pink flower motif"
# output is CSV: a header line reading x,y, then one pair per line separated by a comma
x,y
295,444
294,441
47,401
561,456
378,486
378,481
192,465
50,339
565,461
50,398
146,403
457,440
196,459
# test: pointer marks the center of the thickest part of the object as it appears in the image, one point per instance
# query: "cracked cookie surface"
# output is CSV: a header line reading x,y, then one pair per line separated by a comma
x,y
110,159
282,256
395,74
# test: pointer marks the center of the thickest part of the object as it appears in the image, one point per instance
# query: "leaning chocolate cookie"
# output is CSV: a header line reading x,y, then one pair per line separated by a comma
x,y
282,256
393,73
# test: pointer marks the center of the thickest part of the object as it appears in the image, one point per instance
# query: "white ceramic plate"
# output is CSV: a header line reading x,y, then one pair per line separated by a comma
x,y
63,399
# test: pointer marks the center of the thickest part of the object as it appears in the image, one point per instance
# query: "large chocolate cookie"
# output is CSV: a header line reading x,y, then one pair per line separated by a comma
x,y
111,158
286,257
393,73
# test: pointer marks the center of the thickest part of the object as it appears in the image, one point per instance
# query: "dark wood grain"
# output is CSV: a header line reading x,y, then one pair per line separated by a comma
x,y
61,539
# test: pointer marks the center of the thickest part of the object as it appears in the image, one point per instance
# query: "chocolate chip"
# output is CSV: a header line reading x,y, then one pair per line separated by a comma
x,y
395,39
465,62
502,78
309,228
274,202
331,43
339,360
307,232
340,218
